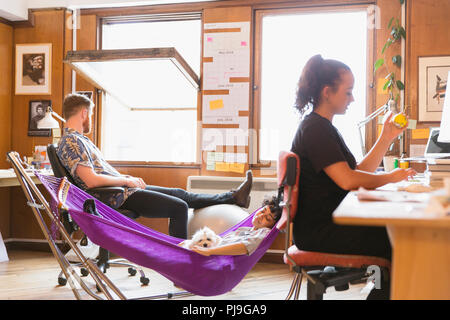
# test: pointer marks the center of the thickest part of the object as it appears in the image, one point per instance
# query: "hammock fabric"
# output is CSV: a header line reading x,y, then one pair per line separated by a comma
x,y
201,275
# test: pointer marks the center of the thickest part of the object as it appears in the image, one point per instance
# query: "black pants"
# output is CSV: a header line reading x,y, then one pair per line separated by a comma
x,y
357,240
172,203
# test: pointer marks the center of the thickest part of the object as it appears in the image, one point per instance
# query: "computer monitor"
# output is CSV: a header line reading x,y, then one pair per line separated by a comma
x,y
436,149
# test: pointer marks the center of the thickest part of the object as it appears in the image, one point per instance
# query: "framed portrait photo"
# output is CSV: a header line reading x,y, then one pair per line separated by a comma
x,y
433,74
33,68
37,113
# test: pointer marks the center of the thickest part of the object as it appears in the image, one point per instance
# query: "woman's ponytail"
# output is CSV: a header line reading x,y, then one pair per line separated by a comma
x,y
316,74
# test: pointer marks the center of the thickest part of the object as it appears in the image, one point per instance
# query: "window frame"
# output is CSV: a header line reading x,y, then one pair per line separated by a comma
x,y
147,53
370,132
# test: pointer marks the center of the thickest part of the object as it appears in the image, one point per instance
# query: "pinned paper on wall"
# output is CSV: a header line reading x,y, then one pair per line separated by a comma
x,y
222,166
237,167
417,134
216,104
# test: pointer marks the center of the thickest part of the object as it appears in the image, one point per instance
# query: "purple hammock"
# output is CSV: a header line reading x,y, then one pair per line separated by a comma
x,y
201,275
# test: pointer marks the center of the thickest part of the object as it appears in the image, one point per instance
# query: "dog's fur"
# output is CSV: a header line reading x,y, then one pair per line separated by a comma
x,y
204,237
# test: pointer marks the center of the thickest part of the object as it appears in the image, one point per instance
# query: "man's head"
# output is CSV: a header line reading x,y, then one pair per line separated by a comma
x,y
268,215
78,108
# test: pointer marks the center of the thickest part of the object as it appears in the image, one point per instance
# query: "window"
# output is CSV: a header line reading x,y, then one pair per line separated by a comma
x,y
148,69
287,41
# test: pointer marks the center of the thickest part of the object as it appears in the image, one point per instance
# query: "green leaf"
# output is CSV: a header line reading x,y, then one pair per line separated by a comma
x,y
397,60
390,22
378,64
400,85
387,85
386,45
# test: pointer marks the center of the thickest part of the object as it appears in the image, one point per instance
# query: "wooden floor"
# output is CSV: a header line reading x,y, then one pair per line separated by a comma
x,y
31,275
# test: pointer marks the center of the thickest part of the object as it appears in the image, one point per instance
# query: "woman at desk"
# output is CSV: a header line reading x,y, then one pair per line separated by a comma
x,y
329,170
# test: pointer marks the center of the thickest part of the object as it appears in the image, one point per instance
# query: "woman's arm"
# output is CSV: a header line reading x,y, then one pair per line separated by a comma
x,y
373,159
227,250
349,179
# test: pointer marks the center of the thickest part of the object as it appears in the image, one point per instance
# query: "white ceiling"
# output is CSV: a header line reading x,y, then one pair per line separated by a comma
x,y
17,10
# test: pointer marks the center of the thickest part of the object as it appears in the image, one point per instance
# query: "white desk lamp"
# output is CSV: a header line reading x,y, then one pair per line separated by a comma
x,y
390,105
48,122
444,131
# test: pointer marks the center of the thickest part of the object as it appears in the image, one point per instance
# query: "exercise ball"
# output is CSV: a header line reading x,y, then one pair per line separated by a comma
x,y
219,217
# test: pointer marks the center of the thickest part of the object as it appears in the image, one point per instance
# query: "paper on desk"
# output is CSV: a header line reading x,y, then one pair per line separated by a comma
x,y
3,253
398,196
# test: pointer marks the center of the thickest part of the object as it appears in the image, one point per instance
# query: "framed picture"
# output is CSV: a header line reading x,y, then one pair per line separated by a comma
x,y
33,68
37,112
433,74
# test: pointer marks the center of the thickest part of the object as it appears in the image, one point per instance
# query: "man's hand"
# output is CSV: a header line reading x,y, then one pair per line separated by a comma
x,y
134,182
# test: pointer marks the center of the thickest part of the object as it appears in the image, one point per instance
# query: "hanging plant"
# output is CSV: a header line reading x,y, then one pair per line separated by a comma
x,y
392,85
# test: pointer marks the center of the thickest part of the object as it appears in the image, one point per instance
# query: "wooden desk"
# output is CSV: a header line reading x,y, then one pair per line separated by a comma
x,y
420,244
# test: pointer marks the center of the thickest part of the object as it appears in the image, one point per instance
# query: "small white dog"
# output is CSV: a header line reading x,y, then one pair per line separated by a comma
x,y
204,237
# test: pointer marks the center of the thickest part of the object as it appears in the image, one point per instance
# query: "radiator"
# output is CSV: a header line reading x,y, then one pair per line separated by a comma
x,y
262,187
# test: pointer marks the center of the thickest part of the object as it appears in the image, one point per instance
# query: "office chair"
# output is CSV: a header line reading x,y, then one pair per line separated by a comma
x,y
103,259
322,270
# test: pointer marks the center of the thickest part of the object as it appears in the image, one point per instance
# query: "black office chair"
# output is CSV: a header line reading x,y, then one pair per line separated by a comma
x,y
102,193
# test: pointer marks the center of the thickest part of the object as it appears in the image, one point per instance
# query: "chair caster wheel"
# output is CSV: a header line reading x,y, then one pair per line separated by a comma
x,y
145,281
132,271
62,281
84,272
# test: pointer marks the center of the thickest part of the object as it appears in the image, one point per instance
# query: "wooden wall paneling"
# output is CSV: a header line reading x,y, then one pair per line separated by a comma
x,y
387,9
6,69
87,40
190,7
428,34
48,27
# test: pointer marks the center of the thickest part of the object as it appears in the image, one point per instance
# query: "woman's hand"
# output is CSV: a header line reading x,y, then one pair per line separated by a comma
x,y
399,174
390,131
201,250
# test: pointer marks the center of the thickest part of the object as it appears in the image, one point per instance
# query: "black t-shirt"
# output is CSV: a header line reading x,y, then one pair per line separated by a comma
x,y
318,144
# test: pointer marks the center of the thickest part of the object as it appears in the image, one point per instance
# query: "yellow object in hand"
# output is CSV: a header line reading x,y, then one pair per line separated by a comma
x,y
400,120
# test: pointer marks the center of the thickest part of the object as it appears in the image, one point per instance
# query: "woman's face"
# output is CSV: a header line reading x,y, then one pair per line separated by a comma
x,y
263,218
339,98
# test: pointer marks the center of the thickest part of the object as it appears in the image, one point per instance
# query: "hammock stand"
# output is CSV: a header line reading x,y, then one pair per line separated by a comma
x,y
200,275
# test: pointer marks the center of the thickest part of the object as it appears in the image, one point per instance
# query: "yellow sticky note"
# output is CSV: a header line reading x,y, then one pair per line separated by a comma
x,y
420,133
222,166
216,104
237,167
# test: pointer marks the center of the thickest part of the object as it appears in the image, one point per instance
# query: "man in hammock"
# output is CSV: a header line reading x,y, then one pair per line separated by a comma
x,y
245,240
89,169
